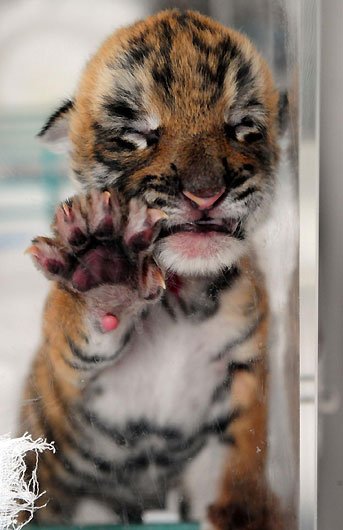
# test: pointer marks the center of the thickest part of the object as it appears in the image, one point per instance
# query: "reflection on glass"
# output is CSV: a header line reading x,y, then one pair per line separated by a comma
x,y
167,368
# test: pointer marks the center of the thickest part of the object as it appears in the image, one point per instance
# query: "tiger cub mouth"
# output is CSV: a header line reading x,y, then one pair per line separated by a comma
x,y
204,226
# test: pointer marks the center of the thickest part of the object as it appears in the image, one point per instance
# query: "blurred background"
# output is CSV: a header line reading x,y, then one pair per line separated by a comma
x,y
44,46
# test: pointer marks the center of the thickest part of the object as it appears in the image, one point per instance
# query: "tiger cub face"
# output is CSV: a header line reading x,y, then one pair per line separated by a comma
x,y
182,112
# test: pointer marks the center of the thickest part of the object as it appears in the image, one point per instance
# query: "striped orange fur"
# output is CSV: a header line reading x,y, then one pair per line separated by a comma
x,y
172,135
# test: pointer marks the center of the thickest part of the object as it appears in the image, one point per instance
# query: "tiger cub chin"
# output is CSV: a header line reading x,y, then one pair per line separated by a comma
x,y
151,376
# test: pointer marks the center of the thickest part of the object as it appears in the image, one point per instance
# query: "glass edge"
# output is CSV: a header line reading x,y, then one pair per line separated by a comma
x,y
309,67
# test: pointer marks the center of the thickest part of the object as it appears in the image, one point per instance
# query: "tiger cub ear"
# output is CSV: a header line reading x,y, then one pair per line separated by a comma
x,y
54,134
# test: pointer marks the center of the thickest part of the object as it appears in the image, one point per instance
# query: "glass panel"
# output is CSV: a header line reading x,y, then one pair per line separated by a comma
x,y
330,425
308,259
166,453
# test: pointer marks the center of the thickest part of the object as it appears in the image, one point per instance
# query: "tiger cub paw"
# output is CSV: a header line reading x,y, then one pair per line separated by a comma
x,y
99,243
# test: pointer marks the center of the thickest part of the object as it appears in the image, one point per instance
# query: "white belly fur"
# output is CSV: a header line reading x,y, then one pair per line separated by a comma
x,y
166,375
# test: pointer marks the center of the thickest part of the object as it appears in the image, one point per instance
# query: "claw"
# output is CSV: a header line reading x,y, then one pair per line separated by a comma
x,y
32,250
159,279
155,215
68,212
47,258
106,198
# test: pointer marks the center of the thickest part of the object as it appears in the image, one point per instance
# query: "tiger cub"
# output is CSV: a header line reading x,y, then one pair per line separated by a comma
x,y
151,376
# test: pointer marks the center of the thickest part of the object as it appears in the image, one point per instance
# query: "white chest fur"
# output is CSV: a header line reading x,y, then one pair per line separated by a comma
x,y
168,373
157,405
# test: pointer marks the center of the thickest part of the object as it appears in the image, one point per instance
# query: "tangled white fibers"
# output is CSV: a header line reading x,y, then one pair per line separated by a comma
x,y
18,492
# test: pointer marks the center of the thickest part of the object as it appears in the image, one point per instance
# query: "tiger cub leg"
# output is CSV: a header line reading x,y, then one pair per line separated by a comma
x,y
200,482
245,501
100,262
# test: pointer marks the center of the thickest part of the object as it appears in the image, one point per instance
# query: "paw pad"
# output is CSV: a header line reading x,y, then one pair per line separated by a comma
x,y
96,243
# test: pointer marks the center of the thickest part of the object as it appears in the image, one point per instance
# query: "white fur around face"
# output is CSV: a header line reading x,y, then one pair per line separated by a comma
x,y
140,129
146,124
187,253
137,139
175,259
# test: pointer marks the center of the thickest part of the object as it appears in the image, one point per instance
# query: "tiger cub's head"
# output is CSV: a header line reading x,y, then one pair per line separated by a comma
x,y
182,112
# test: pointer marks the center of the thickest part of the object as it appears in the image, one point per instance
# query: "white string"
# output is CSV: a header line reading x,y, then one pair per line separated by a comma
x,y
17,491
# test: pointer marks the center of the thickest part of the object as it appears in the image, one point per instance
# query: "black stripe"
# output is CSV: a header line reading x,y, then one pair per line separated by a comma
x,y
155,183
202,46
147,179
161,203
253,137
67,105
139,50
230,131
178,450
120,109
207,304
63,402
224,281
162,72
223,52
240,340
219,425
246,193
249,167
68,414
95,359
222,390
94,421
183,305
79,353
244,77
253,102
167,32
226,52
76,366
210,76
228,439
111,140
247,122
158,188
168,308
210,306
164,77
113,165
191,19
134,432
41,419
122,143
51,434
233,177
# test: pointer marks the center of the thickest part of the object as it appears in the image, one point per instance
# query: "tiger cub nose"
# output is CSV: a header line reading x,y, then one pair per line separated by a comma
x,y
204,203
